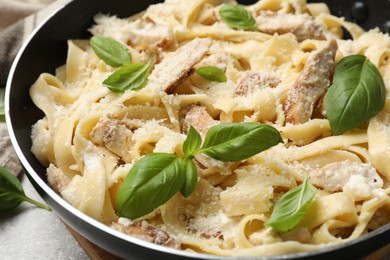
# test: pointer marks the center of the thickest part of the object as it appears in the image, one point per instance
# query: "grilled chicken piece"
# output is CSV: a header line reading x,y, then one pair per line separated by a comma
x,y
199,118
115,136
56,178
311,84
303,26
337,176
250,81
177,66
145,31
300,234
219,60
143,230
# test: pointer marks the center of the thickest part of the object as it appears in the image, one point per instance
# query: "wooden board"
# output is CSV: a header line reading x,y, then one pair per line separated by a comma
x,y
383,254
93,251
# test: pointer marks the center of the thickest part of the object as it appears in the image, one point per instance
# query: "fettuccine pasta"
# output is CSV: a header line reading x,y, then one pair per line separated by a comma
x,y
90,137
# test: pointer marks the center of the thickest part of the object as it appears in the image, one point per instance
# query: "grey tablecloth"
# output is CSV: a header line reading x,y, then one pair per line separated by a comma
x,y
27,232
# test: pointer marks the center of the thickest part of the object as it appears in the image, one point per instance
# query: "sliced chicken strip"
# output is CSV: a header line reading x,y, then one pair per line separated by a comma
x,y
218,59
143,230
177,66
250,81
146,31
143,31
56,178
115,136
311,84
303,26
199,118
339,176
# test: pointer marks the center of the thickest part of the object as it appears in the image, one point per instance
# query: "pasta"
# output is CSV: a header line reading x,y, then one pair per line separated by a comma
x,y
90,137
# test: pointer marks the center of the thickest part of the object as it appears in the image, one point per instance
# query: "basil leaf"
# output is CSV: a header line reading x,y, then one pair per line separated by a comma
x,y
2,101
110,51
191,178
238,141
357,94
11,191
192,143
131,76
291,207
212,73
151,182
12,194
237,17
155,178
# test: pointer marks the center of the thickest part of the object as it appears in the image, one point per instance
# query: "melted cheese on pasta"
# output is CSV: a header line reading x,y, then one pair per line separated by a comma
x,y
93,136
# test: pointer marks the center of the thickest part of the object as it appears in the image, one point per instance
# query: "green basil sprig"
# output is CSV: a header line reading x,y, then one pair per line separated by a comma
x,y
155,178
357,94
130,76
291,207
12,194
212,73
230,143
237,17
2,100
110,51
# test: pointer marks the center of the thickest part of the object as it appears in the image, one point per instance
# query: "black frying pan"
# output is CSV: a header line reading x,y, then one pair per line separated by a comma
x,y
46,50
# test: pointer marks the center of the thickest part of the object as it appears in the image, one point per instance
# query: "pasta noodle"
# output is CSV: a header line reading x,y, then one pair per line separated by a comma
x,y
90,137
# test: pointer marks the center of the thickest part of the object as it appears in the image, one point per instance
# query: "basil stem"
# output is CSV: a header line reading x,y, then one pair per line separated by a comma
x,y
357,94
238,141
237,17
130,76
12,193
110,51
2,101
212,73
292,207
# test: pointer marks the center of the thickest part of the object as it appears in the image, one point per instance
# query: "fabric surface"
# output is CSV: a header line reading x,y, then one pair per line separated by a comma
x,y
8,158
28,232
10,41
14,10
13,32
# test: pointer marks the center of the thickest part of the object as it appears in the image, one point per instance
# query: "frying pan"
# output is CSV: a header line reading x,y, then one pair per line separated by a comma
x,y
46,49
